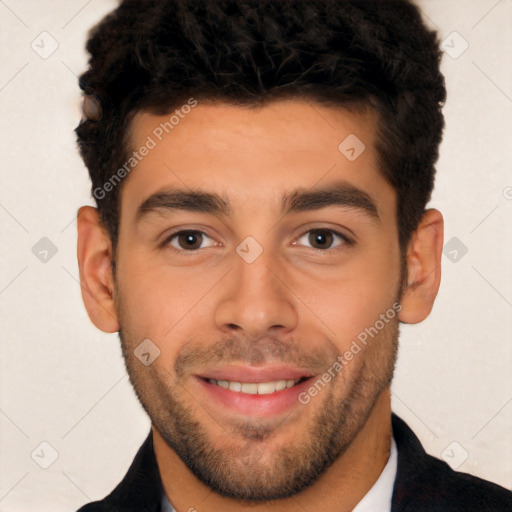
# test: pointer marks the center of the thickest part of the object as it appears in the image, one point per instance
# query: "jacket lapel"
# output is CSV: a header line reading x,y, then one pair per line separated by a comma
x,y
141,489
412,486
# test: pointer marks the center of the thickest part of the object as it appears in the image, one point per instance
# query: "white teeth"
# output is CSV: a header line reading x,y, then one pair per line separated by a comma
x,y
280,385
265,388
250,388
223,384
235,386
255,388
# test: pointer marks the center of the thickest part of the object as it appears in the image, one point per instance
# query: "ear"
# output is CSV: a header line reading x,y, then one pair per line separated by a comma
x,y
424,254
94,252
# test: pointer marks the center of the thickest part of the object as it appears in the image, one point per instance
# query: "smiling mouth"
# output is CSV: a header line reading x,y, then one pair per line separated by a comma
x,y
257,388
263,392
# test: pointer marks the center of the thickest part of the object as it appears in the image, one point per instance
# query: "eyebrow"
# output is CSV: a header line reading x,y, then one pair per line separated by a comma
x,y
300,200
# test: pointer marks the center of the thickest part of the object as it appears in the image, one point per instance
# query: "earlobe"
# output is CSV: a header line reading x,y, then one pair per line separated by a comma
x,y
94,252
424,254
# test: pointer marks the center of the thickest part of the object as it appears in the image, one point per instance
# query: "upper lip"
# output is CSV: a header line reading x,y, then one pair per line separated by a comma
x,y
255,374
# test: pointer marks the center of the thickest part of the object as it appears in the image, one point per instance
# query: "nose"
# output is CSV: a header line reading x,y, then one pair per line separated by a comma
x,y
256,300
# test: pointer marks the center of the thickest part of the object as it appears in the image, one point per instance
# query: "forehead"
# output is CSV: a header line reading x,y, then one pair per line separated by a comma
x,y
255,155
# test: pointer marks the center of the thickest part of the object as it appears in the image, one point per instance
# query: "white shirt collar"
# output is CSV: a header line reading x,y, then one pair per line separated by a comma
x,y
377,499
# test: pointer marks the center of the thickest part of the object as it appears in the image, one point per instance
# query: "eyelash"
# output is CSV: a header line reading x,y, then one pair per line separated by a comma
x,y
345,240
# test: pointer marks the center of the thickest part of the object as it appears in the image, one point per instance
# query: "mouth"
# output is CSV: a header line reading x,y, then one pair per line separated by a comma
x,y
250,391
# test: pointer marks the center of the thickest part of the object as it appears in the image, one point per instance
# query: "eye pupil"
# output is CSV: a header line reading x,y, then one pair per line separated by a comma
x,y
189,239
324,238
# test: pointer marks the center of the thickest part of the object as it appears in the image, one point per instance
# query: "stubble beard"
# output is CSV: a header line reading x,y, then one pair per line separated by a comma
x,y
243,469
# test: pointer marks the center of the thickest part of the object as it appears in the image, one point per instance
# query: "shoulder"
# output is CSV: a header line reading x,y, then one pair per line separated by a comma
x,y
139,491
427,484
448,490
96,506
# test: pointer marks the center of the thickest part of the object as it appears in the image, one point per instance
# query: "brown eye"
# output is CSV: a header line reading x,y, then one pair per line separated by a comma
x,y
188,240
324,239
320,239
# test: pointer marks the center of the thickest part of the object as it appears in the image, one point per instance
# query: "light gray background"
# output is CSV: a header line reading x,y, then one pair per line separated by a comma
x,y
63,382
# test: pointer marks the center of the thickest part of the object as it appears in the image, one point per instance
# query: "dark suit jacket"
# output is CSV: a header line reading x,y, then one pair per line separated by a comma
x,y
423,483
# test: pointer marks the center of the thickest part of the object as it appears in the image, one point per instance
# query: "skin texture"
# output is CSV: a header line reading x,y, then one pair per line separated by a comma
x,y
294,304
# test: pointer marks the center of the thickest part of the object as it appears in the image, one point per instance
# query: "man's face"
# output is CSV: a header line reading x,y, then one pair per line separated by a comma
x,y
258,294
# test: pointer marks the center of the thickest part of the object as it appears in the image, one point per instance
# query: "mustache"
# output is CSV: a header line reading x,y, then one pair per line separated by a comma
x,y
255,353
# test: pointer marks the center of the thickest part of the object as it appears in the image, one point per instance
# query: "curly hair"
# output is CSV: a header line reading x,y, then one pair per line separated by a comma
x,y
152,55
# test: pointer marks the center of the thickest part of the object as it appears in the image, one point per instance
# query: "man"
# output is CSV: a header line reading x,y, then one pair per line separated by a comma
x,y
261,171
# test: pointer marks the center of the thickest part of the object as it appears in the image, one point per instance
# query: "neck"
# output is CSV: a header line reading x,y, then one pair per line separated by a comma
x,y
339,489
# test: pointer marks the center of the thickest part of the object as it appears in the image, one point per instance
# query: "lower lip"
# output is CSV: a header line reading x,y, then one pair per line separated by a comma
x,y
261,406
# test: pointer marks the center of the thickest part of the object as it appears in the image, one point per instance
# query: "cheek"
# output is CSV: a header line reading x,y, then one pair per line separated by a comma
x,y
352,299
160,302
